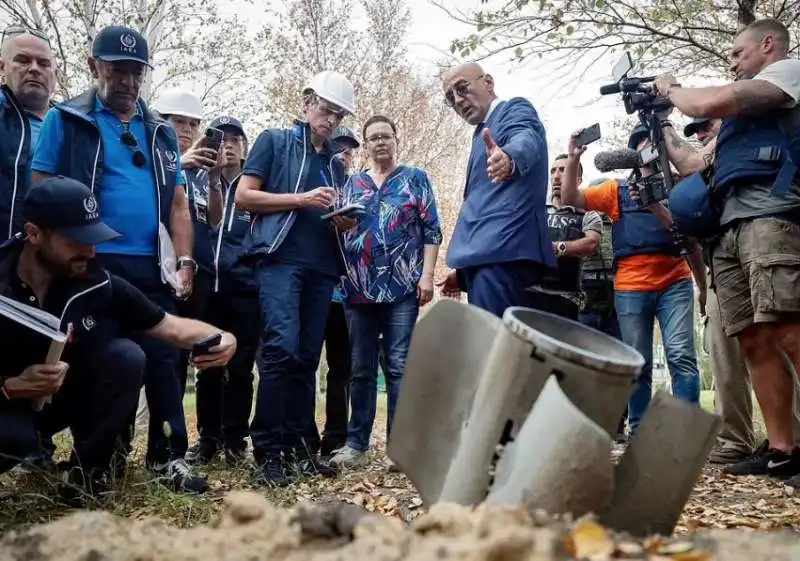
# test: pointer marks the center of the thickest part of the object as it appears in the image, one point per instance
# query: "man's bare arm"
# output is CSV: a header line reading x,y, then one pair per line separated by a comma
x,y
570,194
745,97
686,158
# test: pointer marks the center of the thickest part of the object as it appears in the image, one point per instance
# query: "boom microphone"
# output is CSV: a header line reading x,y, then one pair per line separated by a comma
x,y
616,159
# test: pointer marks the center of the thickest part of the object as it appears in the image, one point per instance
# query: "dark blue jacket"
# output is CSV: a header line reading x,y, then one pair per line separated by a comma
x,y
638,231
198,193
502,222
232,274
82,151
15,177
290,148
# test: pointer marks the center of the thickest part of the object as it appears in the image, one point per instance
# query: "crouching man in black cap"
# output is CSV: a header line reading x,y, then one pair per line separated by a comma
x,y
95,386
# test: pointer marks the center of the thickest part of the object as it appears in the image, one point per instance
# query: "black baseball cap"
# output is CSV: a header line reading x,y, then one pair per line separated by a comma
x,y
344,138
695,125
227,121
117,43
68,207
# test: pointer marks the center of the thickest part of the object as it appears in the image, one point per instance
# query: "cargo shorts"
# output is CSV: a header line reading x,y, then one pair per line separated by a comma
x,y
756,269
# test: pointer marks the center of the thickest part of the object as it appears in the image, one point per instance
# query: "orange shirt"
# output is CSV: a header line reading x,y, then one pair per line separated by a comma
x,y
635,273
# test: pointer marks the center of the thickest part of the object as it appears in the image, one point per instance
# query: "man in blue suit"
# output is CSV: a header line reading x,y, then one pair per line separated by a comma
x,y
500,245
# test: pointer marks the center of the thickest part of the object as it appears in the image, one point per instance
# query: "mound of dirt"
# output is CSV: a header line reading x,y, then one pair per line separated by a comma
x,y
251,529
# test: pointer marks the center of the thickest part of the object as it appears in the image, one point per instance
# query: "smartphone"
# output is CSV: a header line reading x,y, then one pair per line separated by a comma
x,y
588,135
204,347
352,210
213,138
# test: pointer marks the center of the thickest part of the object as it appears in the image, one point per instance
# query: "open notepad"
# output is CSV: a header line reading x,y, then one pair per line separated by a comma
x,y
41,322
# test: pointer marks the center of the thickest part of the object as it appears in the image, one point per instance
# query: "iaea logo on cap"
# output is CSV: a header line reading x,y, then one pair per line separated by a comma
x,y
224,120
128,42
90,204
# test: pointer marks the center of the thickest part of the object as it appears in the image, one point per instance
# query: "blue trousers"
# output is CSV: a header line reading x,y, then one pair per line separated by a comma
x,y
495,287
99,391
366,323
161,383
294,310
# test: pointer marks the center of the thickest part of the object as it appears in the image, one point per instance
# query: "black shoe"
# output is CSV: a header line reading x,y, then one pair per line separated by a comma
x,y
82,489
202,453
306,465
271,472
178,476
236,457
793,482
326,449
767,461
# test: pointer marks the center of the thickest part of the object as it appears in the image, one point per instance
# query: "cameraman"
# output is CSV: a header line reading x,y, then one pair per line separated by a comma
x,y
575,235
652,280
756,258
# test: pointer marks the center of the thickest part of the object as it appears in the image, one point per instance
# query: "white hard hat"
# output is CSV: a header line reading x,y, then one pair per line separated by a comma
x,y
335,88
180,102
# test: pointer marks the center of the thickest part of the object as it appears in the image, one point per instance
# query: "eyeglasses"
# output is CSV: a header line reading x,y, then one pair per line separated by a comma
x,y
332,109
380,138
462,88
128,139
14,30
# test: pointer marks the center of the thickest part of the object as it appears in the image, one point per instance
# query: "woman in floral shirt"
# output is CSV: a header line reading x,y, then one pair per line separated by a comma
x,y
390,258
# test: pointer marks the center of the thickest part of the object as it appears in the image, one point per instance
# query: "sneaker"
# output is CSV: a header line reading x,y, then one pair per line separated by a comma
x,y
305,465
727,455
178,476
391,467
767,461
202,453
793,482
348,457
271,472
81,489
237,457
328,450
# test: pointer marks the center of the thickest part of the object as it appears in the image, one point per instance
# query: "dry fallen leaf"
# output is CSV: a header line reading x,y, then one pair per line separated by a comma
x,y
591,541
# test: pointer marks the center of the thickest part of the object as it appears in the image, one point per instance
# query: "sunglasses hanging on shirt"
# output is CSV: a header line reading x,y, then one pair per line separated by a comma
x,y
128,139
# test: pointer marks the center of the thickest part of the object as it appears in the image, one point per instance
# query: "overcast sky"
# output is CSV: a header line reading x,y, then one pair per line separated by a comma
x,y
562,109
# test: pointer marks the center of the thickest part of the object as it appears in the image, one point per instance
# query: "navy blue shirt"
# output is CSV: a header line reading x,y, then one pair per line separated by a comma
x,y
128,194
197,191
311,243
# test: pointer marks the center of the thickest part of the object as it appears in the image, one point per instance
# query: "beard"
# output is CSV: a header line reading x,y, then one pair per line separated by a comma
x,y
75,267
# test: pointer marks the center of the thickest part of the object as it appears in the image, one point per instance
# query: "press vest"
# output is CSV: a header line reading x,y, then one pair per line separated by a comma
x,y
564,225
638,231
597,278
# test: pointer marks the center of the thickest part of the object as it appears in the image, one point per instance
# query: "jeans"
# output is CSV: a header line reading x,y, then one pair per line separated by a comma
x,y
161,383
606,322
99,391
367,322
294,309
674,309
225,395
337,386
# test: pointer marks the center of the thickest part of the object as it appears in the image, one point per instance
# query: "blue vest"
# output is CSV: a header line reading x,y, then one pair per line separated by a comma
x,y
232,274
290,150
638,231
81,155
198,192
756,149
15,139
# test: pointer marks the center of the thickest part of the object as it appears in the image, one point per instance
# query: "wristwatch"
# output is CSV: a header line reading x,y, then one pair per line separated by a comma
x,y
561,248
187,263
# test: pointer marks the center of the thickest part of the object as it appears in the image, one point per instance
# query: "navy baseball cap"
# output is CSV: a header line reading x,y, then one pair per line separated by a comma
x,y
639,133
68,207
344,138
695,125
116,43
227,121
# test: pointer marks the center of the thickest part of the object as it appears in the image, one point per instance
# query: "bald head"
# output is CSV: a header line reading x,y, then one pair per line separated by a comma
x,y
28,65
469,90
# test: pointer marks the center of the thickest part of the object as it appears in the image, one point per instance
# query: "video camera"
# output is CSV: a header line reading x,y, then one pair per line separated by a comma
x,y
638,96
